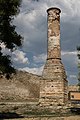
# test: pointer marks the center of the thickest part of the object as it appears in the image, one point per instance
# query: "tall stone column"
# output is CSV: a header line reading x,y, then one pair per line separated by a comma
x,y
53,67
54,33
53,86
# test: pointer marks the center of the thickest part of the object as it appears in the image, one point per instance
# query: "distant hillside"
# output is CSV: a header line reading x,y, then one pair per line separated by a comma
x,y
22,87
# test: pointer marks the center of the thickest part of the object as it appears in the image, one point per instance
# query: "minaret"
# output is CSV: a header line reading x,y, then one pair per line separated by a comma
x,y
53,86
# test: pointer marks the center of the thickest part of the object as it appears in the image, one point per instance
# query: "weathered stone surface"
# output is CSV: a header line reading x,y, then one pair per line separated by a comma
x,y
53,86
73,88
23,86
53,33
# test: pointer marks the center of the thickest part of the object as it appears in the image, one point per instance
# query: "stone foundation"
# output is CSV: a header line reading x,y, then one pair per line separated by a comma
x,y
53,92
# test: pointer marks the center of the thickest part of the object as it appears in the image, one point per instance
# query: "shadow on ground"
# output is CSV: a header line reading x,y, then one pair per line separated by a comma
x,y
9,115
75,110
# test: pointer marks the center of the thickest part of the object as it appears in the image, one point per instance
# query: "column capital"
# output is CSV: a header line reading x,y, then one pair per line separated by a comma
x,y
53,8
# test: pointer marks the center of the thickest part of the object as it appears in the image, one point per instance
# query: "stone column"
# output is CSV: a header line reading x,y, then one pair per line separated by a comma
x,y
53,67
53,86
53,33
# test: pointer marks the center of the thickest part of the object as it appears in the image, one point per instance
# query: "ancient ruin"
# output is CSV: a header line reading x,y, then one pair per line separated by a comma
x,y
49,89
53,86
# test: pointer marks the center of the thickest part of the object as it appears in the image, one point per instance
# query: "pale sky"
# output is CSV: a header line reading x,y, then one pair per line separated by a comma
x,y
31,23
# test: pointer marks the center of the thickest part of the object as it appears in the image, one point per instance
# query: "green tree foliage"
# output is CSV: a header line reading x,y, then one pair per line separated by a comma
x,y
8,34
6,65
78,54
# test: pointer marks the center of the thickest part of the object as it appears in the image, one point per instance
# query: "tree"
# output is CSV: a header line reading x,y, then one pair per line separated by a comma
x,y
78,54
8,34
6,65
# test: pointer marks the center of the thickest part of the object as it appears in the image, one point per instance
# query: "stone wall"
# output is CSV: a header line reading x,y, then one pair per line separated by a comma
x,y
73,88
51,92
22,86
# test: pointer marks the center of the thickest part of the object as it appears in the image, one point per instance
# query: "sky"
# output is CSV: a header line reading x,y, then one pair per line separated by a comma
x,y
31,23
